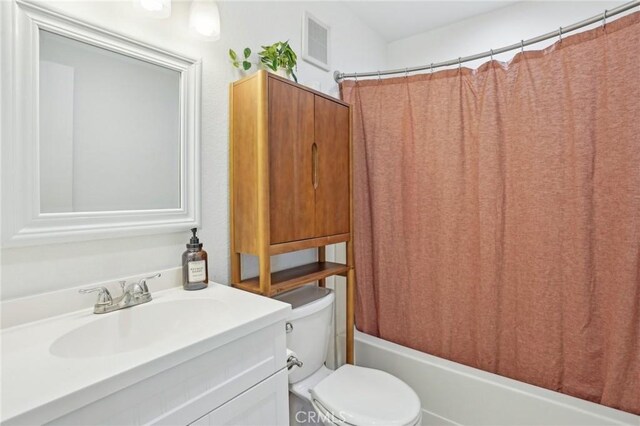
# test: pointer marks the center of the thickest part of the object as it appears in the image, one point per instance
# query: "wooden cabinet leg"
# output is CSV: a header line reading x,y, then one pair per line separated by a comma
x,y
350,315
265,274
236,271
322,255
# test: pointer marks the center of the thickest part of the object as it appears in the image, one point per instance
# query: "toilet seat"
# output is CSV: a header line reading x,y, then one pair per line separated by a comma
x,y
366,397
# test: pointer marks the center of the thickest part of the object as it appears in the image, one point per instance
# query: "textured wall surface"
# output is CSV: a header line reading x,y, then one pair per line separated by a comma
x,y
492,30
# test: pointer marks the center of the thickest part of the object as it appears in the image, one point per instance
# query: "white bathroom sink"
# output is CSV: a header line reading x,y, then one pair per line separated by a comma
x,y
137,327
79,357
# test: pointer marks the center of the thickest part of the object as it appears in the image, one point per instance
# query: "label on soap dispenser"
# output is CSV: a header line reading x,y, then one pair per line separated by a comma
x,y
197,271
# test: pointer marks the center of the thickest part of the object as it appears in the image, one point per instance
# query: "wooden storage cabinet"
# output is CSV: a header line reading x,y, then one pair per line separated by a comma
x,y
290,181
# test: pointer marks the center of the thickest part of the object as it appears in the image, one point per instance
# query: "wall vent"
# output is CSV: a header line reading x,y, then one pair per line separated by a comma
x,y
315,41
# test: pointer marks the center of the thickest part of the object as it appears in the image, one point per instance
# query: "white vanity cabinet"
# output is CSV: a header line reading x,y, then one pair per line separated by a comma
x,y
213,356
243,382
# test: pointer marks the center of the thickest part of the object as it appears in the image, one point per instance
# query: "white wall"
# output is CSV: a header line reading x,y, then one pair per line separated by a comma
x,y
492,30
31,270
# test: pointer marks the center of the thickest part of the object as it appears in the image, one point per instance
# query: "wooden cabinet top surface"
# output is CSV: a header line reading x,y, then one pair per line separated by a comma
x,y
293,83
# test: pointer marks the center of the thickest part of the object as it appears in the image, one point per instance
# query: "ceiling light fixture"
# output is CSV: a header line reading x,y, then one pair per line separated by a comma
x,y
155,8
204,19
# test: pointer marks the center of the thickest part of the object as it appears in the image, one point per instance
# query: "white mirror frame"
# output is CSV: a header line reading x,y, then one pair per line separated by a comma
x,y
22,221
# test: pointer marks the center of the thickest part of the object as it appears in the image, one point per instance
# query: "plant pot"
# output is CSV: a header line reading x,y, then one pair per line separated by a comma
x,y
282,72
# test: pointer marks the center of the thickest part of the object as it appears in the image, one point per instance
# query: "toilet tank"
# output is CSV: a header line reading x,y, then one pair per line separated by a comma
x,y
311,325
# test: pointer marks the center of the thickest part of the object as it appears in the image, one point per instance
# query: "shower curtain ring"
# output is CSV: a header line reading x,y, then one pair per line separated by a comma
x,y
560,34
378,75
491,54
521,46
604,18
406,72
459,62
431,67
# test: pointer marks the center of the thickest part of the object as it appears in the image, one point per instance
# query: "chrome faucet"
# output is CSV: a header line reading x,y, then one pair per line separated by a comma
x,y
132,295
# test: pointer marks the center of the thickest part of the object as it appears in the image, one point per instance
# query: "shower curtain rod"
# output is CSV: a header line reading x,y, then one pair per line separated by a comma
x,y
337,75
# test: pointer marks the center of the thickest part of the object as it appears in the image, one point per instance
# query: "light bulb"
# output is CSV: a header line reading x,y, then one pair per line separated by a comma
x,y
204,19
154,8
152,5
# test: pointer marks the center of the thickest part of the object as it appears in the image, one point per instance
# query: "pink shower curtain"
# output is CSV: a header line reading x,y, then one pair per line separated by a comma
x,y
498,214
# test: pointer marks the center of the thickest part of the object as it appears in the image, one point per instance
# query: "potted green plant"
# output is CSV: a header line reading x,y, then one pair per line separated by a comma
x,y
277,57
241,63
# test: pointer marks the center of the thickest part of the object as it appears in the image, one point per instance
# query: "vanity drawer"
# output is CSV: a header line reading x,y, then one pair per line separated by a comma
x,y
190,390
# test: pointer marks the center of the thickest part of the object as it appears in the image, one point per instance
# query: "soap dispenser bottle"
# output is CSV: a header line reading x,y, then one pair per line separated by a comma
x,y
194,265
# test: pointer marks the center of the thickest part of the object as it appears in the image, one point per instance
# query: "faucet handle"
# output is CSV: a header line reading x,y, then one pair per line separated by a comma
x,y
104,297
143,282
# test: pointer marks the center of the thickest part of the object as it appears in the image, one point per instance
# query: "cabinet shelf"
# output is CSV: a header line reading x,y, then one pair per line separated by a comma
x,y
309,243
291,278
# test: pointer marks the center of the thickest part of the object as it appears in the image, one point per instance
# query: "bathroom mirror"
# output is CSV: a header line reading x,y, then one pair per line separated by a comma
x,y
104,133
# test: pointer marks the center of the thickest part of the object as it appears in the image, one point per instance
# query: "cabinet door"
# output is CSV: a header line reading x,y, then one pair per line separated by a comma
x,y
265,404
292,197
332,186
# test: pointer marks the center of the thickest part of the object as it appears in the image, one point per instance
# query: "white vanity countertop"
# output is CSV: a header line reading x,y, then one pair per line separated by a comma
x,y
37,381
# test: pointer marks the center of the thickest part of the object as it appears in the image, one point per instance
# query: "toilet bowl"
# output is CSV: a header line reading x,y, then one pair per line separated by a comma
x,y
350,395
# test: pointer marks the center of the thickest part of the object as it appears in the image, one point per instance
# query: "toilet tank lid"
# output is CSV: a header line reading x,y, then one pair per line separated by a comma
x,y
303,296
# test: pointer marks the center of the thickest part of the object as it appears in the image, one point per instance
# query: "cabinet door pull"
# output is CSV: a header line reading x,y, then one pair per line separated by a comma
x,y
314,158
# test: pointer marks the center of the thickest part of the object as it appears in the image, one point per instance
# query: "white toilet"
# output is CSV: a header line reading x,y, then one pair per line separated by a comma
x,y
350,395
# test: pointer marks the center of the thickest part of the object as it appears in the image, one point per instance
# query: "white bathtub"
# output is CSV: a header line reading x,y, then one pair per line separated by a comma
x,y
454,394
